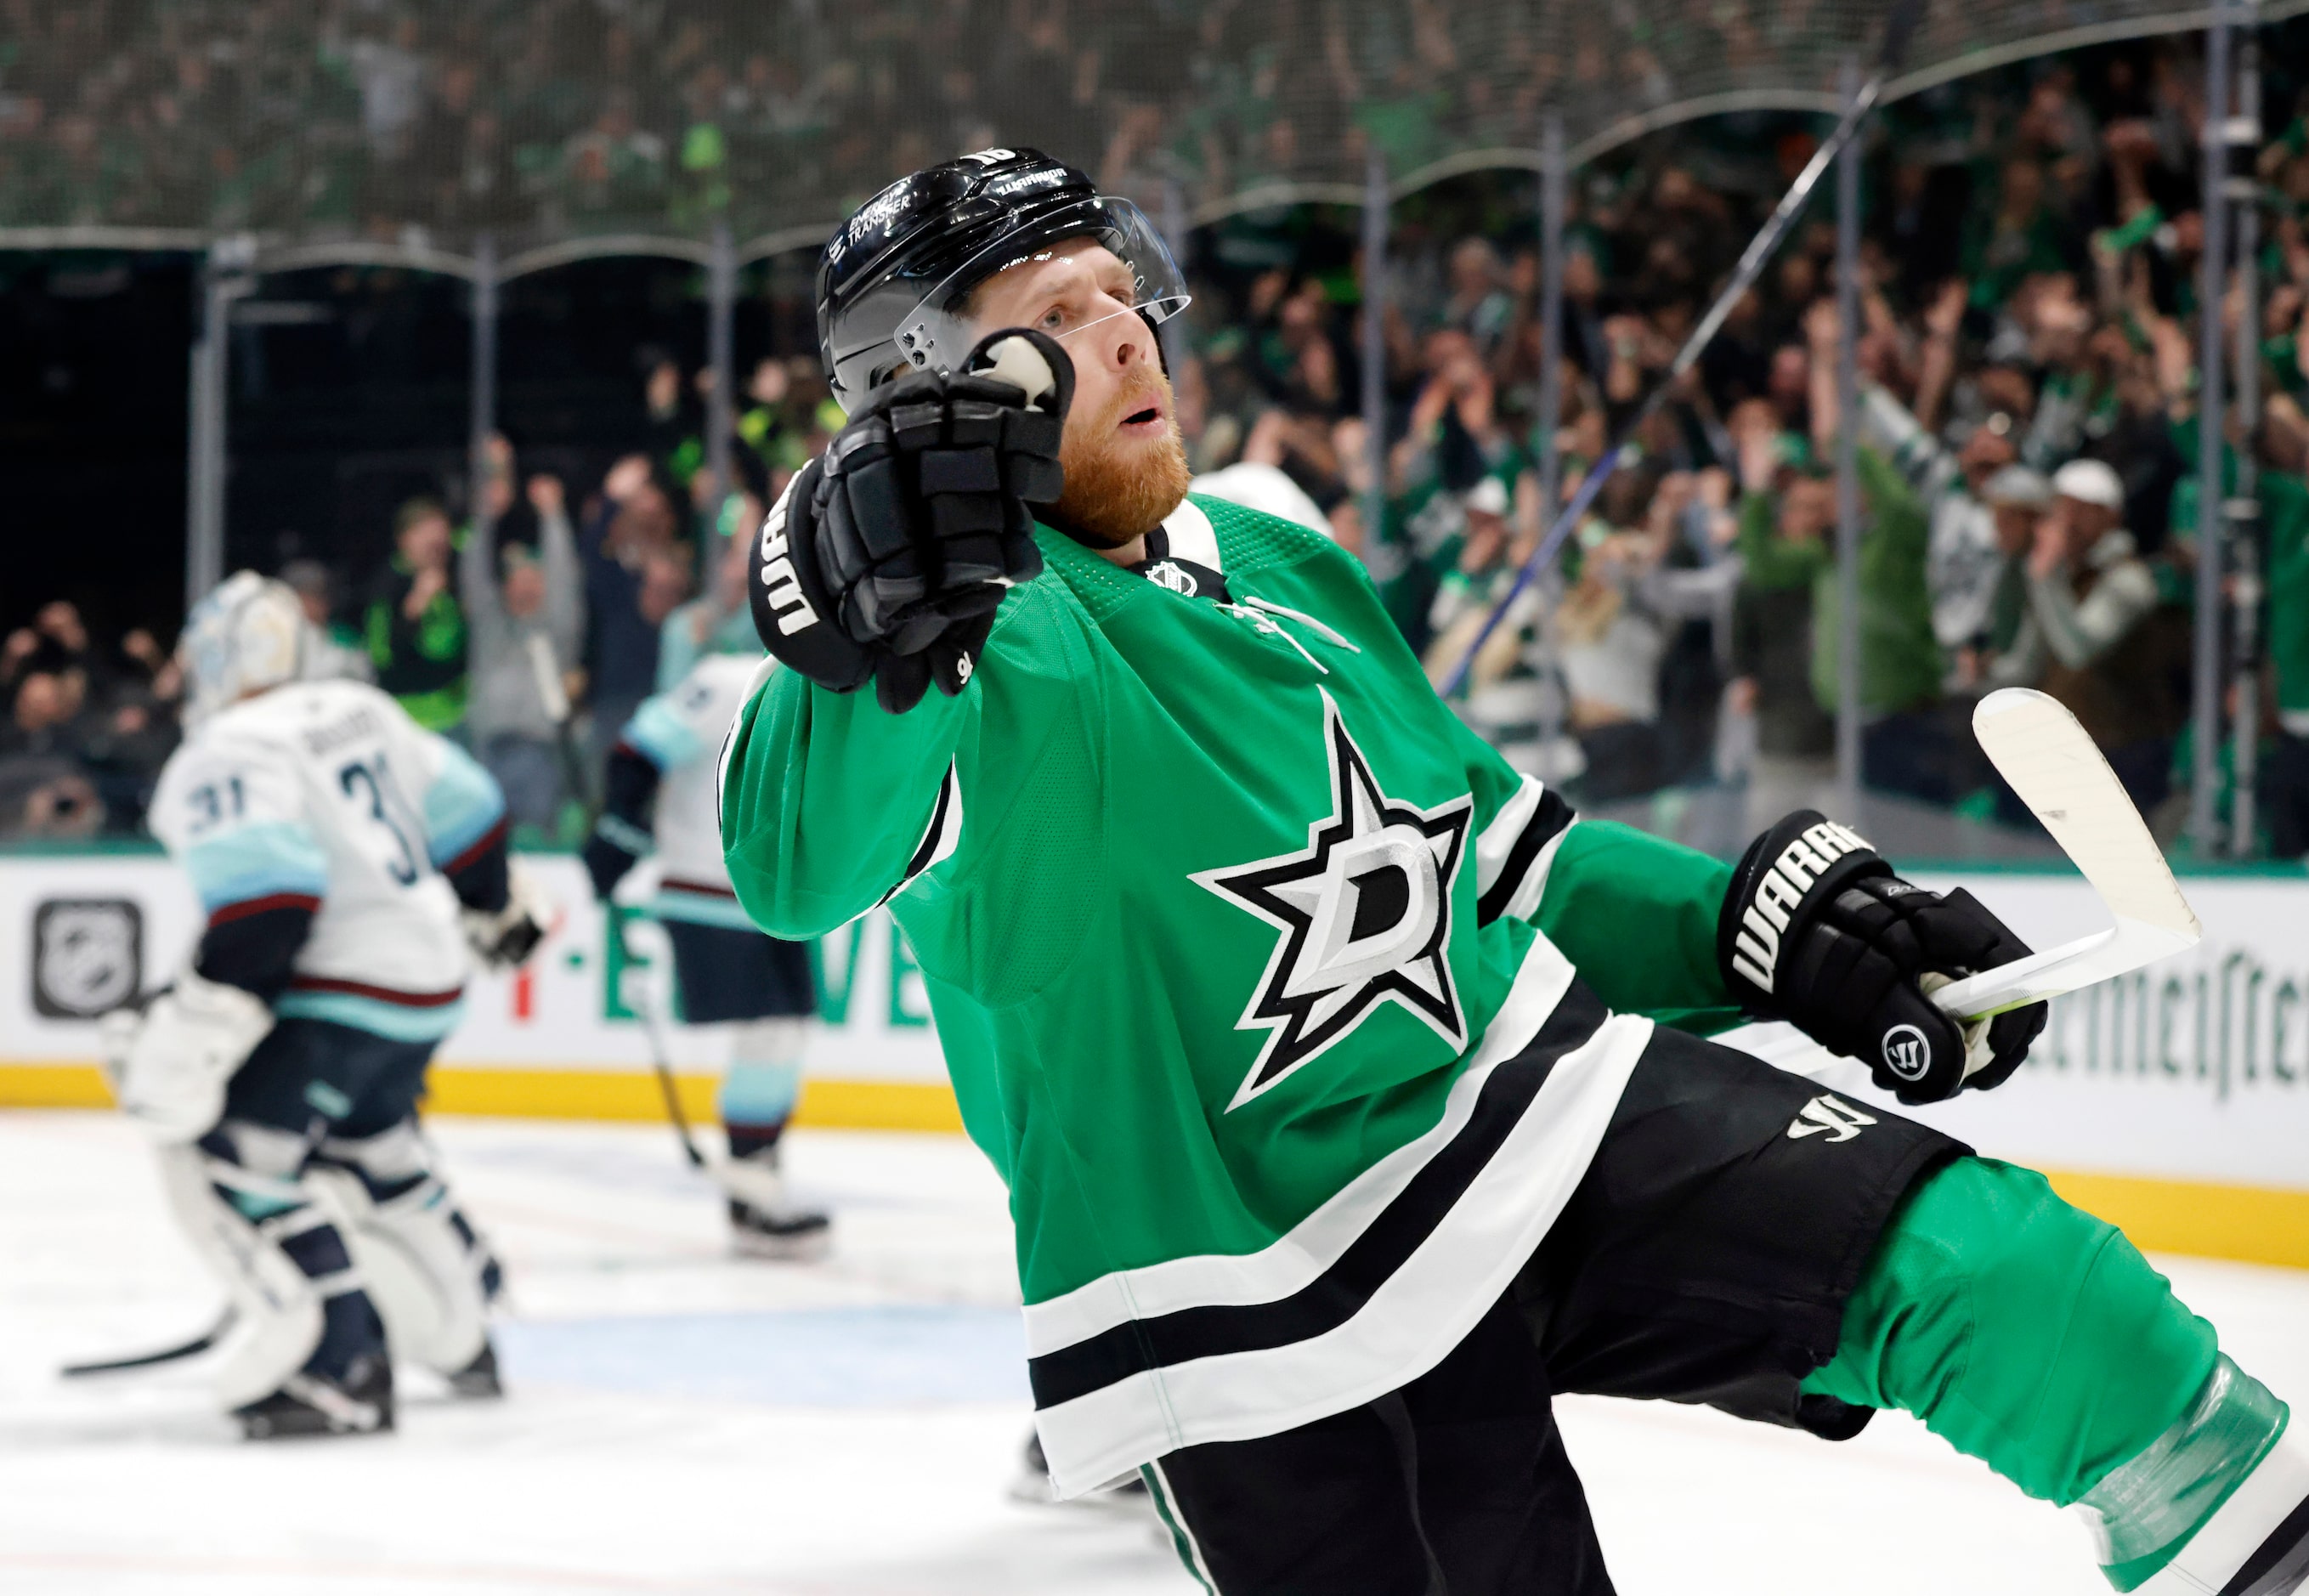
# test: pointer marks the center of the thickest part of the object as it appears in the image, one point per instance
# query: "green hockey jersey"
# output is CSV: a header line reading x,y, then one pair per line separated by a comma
x,y
1254,971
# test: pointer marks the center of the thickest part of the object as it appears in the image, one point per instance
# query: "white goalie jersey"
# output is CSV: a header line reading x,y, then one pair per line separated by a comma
x,y
326,796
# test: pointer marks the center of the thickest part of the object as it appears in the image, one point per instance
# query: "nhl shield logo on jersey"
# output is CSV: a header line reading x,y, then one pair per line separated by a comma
x,y
1169,574
1363,913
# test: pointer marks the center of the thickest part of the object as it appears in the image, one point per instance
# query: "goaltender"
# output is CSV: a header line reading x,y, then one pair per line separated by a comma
x,y
1348,1088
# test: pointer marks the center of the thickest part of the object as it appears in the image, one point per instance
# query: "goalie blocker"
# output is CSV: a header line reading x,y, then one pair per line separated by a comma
x,y
1816,930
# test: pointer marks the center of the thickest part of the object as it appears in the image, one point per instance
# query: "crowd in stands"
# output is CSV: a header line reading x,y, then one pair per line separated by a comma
x,y
537,117
2025,458
531,633
2026,452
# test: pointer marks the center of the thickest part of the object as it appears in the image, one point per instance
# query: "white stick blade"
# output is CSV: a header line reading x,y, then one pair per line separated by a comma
x,y
2051,762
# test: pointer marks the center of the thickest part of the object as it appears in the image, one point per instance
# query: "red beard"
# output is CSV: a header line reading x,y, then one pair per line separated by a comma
x,y
1117,490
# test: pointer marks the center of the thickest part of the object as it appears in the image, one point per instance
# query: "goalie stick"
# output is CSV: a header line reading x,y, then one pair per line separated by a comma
x,y
2052,764
1900,26
117,1365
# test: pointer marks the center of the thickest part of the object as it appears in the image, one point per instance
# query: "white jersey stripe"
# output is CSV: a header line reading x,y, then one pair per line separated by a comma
x,y
1289,1264
1524,904
1496,841
1408,1326
940,837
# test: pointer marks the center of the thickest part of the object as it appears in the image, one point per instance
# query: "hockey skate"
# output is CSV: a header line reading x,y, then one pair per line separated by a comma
x,y
764,1223
783,1231
478,1379
359,1401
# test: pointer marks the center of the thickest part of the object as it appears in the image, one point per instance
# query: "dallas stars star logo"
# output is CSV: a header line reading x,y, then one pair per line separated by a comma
x,y
1365,916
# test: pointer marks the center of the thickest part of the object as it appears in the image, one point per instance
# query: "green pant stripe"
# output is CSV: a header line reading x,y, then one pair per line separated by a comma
x,y
1183,1539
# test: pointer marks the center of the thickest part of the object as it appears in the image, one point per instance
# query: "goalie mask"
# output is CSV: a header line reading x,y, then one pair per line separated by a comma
x,y
891,282
247,635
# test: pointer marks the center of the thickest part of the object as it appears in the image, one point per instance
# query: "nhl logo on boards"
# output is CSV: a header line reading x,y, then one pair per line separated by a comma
x,y
1364,917
1908,1052
88,956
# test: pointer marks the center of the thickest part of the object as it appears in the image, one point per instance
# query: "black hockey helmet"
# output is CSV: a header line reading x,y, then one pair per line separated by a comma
x,y
891,277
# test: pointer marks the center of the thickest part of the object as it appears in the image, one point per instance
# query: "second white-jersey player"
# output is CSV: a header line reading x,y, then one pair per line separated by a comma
x,y
662,795
344,859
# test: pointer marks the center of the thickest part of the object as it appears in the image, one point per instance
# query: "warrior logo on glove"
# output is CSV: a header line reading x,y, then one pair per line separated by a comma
x,y
1779,889
1906,1052
1817,931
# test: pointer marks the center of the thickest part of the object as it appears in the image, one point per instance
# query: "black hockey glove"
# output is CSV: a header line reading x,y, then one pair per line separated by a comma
x,y
886,558
621,836
1817,931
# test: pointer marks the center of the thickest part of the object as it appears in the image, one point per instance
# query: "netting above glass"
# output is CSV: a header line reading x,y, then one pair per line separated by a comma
x,y
415,125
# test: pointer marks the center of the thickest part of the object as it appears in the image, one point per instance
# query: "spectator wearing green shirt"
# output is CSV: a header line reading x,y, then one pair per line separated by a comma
x,y
1786,521
2284,495
1907,744
2285,523
1782,547
415,624
2021,236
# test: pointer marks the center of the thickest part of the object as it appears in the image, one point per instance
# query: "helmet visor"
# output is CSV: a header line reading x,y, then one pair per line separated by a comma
x,y
936,333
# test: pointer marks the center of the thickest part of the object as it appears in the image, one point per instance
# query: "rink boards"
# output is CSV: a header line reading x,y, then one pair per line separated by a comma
x,y
2174,1101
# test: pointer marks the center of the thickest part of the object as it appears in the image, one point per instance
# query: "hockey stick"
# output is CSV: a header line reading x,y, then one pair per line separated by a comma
x,y
2052,764
662,1062
191,1349
755,1188
1899,27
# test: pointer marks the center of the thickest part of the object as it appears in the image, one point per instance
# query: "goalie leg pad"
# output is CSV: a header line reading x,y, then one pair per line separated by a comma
x,y
241,1196
429,1272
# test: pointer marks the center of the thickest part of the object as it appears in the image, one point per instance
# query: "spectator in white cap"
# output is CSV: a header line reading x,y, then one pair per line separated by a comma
x,y
1463,600
2088,595
2016,500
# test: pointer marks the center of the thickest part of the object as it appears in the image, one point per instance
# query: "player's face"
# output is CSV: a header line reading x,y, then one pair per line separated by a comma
x,y
1125,466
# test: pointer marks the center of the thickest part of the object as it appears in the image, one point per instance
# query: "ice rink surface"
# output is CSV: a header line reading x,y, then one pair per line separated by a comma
x,y
683,1421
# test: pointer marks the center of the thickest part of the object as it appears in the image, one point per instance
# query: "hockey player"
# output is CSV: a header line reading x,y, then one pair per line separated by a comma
x,y
659,798
335,848
1346,1082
